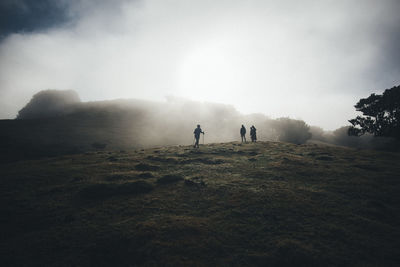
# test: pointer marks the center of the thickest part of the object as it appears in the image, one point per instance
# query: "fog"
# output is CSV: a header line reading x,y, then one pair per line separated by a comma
x,y
130,123
310,61
57,122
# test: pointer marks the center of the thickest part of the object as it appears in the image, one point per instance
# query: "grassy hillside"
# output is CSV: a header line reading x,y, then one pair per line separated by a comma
x,y
269,203
55,127
70,134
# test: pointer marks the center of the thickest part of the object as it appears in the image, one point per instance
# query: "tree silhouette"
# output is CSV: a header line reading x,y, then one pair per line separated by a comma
x,y
381,115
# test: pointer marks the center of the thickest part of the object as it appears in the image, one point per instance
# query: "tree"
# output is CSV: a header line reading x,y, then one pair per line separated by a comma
x,y
381,115
293,131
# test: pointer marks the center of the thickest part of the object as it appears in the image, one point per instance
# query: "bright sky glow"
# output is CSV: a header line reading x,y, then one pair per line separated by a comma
x,y
309,61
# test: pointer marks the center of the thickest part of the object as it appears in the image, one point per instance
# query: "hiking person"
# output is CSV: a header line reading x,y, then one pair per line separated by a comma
x,y
243,133
197,133
253,133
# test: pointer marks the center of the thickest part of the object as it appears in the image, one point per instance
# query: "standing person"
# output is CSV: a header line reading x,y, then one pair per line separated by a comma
x,y
243,133
253,133
197,133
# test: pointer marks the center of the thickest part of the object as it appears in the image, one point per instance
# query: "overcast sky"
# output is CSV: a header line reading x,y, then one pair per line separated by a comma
x,y
310,60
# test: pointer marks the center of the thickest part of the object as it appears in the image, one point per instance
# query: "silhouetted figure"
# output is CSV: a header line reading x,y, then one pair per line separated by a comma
x,y
253,133
243,133
197,133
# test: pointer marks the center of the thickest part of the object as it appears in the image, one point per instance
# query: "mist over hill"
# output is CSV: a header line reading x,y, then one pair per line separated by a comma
x,y
56,122
147,123
49,103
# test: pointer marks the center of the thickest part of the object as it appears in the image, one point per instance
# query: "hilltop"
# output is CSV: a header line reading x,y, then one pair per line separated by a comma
x,y
56,122
269,203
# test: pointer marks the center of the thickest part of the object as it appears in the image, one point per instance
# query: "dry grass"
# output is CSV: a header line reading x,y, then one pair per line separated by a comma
x,y
271,203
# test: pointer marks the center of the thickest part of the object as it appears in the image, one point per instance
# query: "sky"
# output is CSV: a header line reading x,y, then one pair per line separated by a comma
x,y
309,60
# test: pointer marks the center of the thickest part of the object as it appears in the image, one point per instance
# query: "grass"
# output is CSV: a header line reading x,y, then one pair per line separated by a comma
x,y
169,178
104,190
268,203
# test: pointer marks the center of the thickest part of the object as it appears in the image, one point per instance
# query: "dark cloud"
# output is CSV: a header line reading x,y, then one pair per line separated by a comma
x,y
388,64
28,16
384,35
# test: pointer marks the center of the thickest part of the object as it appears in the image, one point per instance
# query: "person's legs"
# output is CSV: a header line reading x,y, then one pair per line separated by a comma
x,y
197,142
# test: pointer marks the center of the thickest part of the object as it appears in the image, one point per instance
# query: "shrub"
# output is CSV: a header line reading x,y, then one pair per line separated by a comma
x,y
293,131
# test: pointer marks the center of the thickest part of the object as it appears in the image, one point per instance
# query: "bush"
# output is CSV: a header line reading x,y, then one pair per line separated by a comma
x,y
293,131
